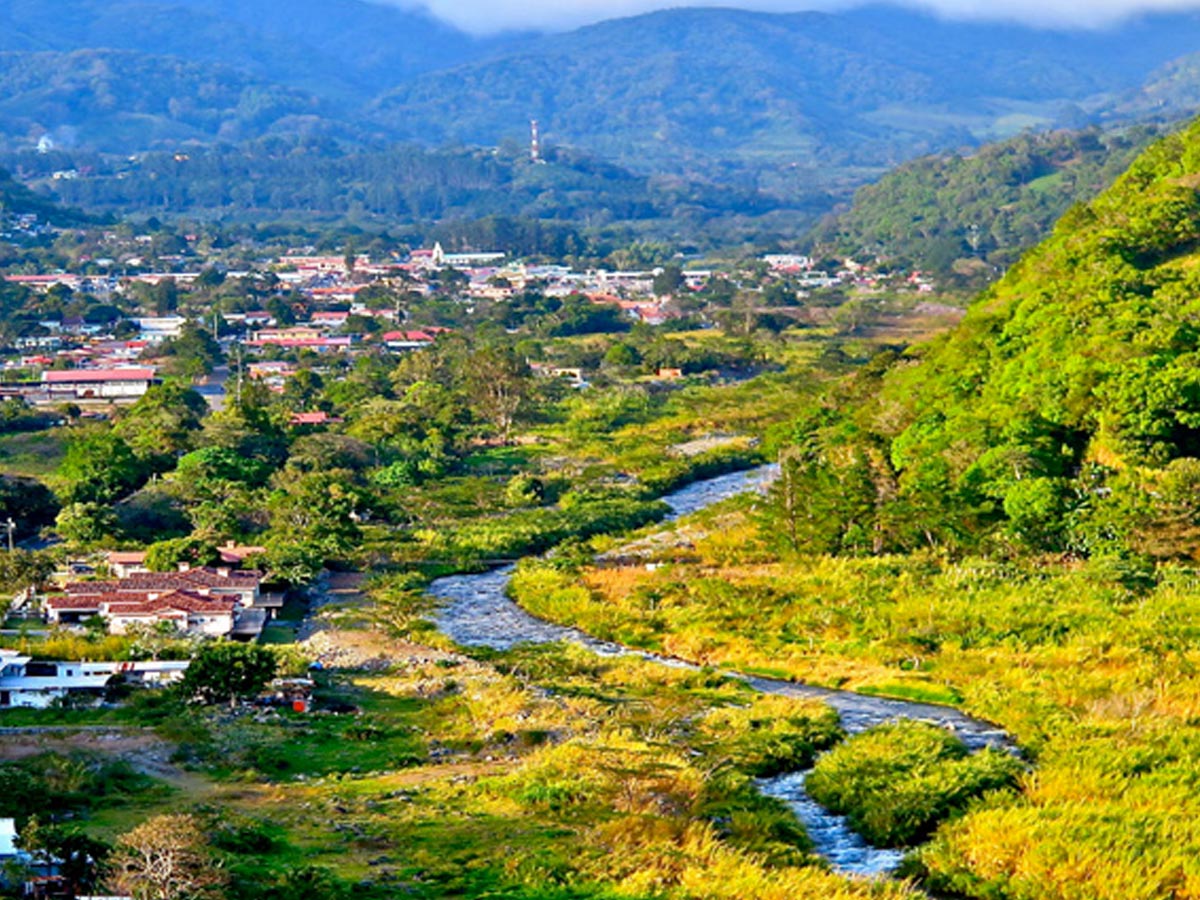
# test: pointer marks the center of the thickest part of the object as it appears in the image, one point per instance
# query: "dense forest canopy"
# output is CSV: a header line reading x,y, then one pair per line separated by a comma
x,y
1064,413
826,100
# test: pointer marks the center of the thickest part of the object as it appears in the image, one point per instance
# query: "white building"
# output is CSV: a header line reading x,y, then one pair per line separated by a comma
x,y
158,328
8,839
25,683
36,685
98,384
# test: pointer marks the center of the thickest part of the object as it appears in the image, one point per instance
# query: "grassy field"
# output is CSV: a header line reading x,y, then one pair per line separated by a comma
x,y
32,454
1092,666
541,773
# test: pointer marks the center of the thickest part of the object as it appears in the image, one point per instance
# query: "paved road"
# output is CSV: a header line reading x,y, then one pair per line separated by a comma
x,y
213,388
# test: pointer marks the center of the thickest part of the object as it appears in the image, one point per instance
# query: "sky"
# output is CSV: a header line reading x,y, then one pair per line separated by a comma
x,y
483,16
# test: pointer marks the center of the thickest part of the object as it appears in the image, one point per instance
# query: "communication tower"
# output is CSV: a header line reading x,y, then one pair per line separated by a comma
x,y
535,144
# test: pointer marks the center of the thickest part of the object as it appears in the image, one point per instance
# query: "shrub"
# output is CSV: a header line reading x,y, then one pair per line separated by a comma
x,y
898,782
774,734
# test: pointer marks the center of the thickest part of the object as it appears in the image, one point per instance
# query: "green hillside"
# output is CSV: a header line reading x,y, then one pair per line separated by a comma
x,y
348,49
769,100
114,100
17,200
1064,413
318,179
867,88
990,206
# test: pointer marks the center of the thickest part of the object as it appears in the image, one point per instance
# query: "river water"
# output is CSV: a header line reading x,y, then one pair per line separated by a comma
x,y
475,611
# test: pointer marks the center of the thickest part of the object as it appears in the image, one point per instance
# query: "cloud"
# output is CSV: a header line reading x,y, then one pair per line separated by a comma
x,y
1056,13
483,16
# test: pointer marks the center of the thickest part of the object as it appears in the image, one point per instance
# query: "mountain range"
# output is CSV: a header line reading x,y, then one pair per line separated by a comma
x,y
785,106
867,87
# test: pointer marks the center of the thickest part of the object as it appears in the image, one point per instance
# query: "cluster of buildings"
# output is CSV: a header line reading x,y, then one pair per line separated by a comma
x,y
802,272
23,226
338,312
212,602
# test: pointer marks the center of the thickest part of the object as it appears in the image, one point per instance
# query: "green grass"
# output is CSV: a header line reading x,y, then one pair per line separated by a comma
x,y
569,776
938,694
32,454
279,633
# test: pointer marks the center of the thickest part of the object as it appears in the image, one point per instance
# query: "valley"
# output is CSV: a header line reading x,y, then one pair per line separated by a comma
x,y
774,474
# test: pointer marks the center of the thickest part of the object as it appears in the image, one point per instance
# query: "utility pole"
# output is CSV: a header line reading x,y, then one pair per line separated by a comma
x,y
11,526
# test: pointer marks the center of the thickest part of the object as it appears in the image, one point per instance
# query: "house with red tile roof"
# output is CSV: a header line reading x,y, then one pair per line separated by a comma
x,y
314,418
189,612
200,600
408,340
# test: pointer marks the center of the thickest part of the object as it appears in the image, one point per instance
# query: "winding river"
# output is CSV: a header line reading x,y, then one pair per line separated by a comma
x,y
476,611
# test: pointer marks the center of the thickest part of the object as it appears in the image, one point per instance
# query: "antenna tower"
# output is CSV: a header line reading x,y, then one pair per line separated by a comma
x,y
535,145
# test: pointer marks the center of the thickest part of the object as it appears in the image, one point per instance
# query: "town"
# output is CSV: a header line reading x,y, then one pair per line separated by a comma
x,y
300,304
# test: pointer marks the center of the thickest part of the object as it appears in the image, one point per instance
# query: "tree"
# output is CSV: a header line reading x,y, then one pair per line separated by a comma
x,y
290,561
497,384
302,391
164,858
225,671
100,467
668,280
27,502
166,556
23,569
194,353
524,490
77,857
823,500
207,473
86,524
152,514
322,452
163,423
164,297
622,355
320,508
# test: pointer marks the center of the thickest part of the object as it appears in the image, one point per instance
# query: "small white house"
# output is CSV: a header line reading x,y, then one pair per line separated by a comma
x,y
157,329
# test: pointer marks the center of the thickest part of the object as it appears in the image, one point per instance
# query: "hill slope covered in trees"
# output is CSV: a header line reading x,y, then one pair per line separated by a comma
x,y
287,177
991,206
338,48
869,87
674,89
1064,412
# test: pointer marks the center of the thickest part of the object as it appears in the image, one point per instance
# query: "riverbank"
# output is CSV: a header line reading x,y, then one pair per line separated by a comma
x,y
476,611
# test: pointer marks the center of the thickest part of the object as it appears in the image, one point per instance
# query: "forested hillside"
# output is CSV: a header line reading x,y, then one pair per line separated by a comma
x,y
979,208
105,98
18,200
339,48
1064,413
836,91
315,179
784,103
